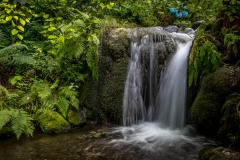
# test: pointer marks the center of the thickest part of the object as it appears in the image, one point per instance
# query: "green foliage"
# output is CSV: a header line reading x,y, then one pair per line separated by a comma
x,y
204,59
19,120
15,54
231,40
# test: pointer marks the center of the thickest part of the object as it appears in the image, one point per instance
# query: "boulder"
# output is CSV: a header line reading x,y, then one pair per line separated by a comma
x,y
51,121
207,106
229,131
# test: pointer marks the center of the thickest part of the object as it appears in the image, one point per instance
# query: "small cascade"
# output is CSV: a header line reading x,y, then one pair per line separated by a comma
x,y
149,96
171,98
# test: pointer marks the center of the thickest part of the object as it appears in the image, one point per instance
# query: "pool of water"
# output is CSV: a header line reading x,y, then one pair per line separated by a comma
x,y
104,143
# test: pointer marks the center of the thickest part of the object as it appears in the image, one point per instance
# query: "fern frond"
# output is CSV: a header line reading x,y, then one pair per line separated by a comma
x,y
92,60
63,105
15,54
21,123
41,88
5,117
19,120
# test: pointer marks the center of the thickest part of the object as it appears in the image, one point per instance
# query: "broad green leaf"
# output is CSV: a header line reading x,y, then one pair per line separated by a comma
x,y
14,32
52,28
13,24
45,16
102,5
20,37
8,11
8,18
15,17
20,28
22,22
27,19
52,37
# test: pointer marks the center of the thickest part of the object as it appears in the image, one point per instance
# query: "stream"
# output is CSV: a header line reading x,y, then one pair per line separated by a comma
x,y
94,142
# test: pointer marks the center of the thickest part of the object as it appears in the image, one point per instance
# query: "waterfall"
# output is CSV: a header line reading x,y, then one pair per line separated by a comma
x,y
149,96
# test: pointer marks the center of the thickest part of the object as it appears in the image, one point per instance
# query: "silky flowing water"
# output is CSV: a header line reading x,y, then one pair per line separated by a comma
x,y
153,117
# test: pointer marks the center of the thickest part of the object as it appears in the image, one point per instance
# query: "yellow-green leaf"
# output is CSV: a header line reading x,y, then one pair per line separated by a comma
x,y
20,36
52,28
14,32
13,24
45,16
102,5
27,19
18,42
15,17
8,18
52,37
22,22
20,28
8,11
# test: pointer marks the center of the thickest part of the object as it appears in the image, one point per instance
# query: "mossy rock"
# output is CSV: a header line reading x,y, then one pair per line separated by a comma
x,y
218,153
206,109
229,131
51,121
76,118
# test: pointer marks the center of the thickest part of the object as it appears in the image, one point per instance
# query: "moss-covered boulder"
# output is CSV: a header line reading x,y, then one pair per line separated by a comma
x,y
218,153
51,121
206,109
229,131
76,118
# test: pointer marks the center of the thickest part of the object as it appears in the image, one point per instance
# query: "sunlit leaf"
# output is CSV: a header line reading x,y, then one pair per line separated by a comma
x,y
14,32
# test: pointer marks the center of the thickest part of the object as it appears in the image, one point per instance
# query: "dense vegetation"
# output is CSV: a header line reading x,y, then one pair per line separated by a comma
x,y
49,51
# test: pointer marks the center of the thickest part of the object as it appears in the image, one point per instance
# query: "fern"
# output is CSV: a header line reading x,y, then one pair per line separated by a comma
x,y
14,54
21,123
92,60
204,59
19,120
3,39
231,40
5,117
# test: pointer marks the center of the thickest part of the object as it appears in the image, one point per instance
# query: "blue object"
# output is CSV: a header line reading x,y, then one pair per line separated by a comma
x,y
178,14
173,10
184,14
184,6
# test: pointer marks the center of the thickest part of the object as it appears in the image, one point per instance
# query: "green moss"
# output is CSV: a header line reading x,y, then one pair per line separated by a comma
x,y
229,131
76,118
51,121
206,109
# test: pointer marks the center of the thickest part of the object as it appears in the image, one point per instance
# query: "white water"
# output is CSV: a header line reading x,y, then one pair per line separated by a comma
x,y
155,120
171,99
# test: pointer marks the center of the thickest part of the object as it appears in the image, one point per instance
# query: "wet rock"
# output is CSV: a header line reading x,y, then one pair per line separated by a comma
x,y
105,98
206,109
229,131
218,153
196,24
76,118
171,29
51,122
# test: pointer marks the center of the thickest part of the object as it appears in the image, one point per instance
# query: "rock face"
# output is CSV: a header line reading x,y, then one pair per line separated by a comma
x,y
105,99
218,153
216,109
206,109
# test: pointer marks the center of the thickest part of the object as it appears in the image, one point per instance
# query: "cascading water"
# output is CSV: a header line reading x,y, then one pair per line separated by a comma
x,y
168,105
154,102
